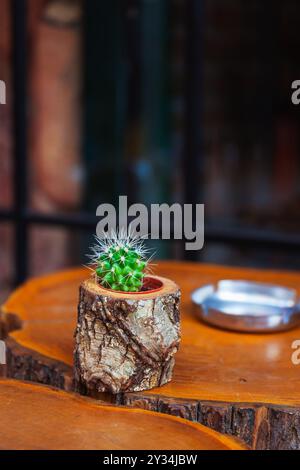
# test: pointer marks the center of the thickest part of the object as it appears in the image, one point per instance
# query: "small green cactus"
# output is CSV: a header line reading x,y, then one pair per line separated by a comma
x,y
120,263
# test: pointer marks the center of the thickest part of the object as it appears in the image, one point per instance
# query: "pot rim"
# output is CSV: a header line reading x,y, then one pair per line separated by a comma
x,y
154,280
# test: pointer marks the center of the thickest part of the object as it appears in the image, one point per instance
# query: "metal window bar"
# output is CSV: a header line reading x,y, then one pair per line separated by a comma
x,y
19,62
22,217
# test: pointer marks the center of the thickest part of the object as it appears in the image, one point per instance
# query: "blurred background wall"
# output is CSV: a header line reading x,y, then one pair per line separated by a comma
x,y
165,101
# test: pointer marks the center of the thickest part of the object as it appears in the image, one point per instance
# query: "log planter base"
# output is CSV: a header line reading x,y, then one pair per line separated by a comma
x,y
240,384
126,342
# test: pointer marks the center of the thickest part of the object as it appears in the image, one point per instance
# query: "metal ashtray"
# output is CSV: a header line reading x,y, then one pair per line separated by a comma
x,y
247,306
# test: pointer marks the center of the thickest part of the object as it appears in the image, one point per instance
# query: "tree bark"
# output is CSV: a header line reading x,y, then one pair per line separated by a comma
x,y
126,342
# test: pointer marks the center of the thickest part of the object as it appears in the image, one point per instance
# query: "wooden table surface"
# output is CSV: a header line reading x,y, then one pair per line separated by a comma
x,y
242,384
38,417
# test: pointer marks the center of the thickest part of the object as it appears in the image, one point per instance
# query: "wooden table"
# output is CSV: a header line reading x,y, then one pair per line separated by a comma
x,y
240,384
38,417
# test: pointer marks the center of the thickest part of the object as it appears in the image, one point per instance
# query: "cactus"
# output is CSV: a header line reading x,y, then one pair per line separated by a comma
x,y
120,263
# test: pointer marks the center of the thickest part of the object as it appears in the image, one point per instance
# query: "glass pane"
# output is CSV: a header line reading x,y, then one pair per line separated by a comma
x,y
130,120
55,91
251,165
52,249
6,260
106,112
134,104
5,107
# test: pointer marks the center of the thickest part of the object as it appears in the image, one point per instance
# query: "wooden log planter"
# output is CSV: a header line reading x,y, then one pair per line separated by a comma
x,y
126,342
240,384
